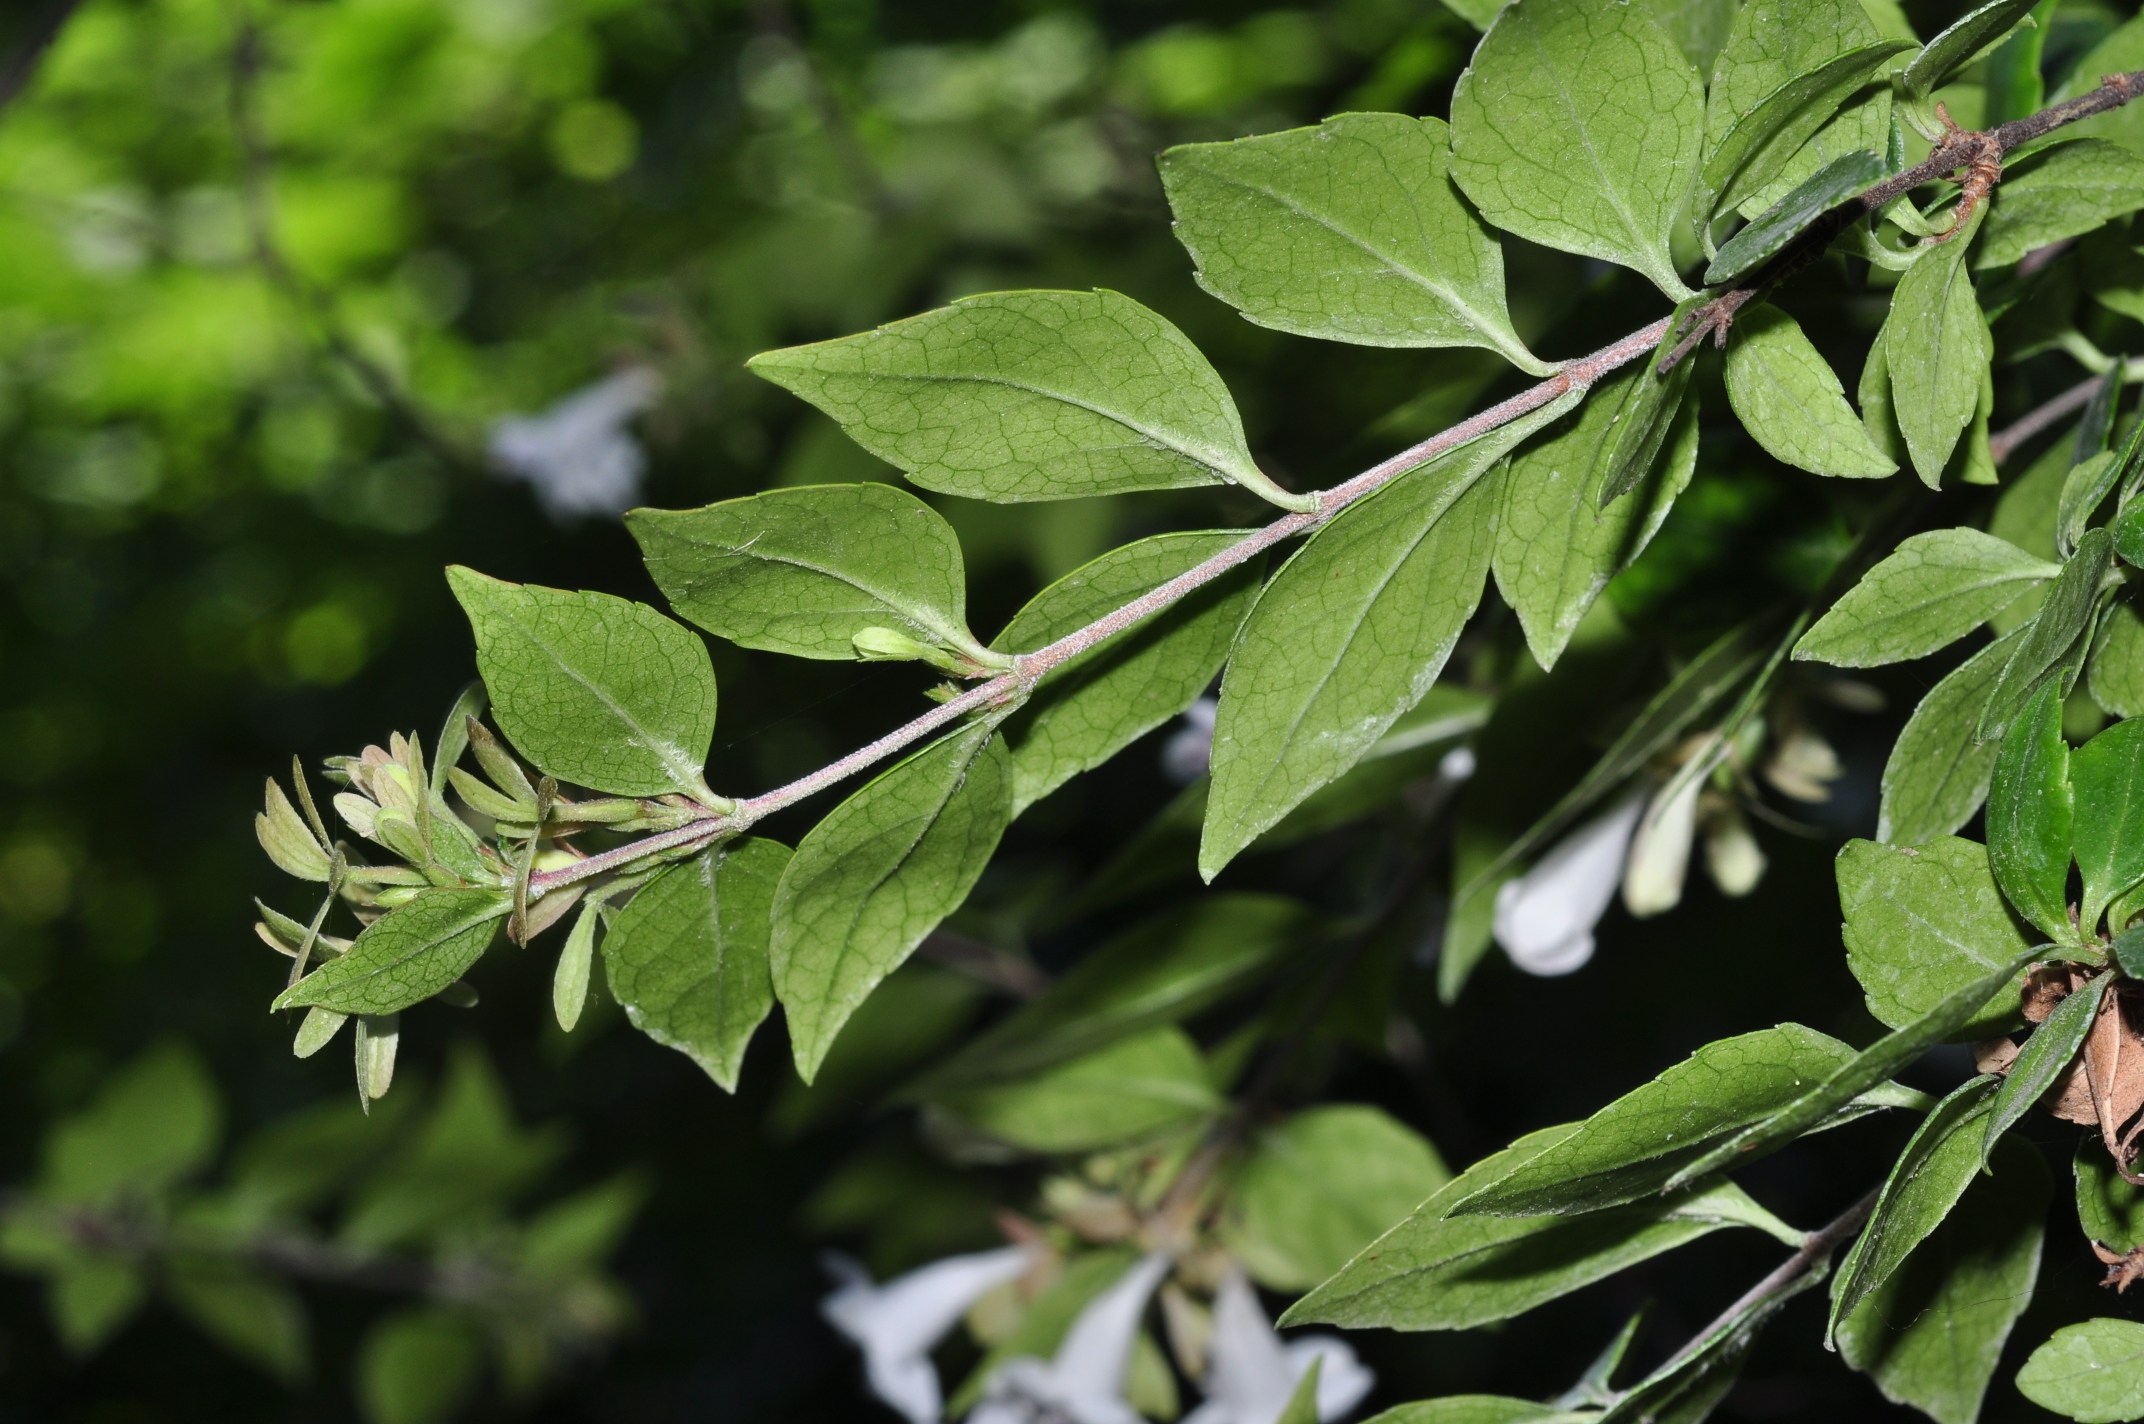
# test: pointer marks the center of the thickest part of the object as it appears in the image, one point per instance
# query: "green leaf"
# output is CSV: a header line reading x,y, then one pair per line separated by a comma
x,y
1774,42
2014,85
1645,417
1937,1164
1743,161
599,691
1767,235
878,874
688,957
1931,1336
1092,707
1630,1148
2045,1056
2118,53
2062,192
1949,51
2107,774
1438,1272
1350,231
2115,675
1320,1186
2088,484
2093,1373
1019,396
2110,1209
2053,648
91,1297
1792,404
1923,922
1936,347
803,571
255,1317
1938,774
153,1125
1478,1409
407,956
1157,973
1932,590
2031,810
1350,634
1697,1377
1129,1090
1302,1406
1579,126
1817,1108
1556,548
417,1367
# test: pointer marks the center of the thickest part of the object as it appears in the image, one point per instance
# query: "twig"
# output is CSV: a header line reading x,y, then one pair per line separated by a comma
x,y
1962,150
38,35
2003,443
1978,154
1028,669
1815,1249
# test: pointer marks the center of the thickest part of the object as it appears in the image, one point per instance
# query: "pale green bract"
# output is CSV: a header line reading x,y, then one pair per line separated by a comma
x,y
598,691
1350,231
1031,395
1579,126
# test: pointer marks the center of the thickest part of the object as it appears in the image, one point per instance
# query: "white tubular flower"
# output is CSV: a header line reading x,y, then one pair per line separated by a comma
x,y
1732,854
1254,1374
579,454
896,1324
1545,918
1660,850
1084,1384
1189,751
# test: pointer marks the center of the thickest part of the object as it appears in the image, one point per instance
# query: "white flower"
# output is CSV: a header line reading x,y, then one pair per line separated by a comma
x,y
1253,1374
1545,918
896,1324
579,454
1185,756
1084,1384
1660,850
